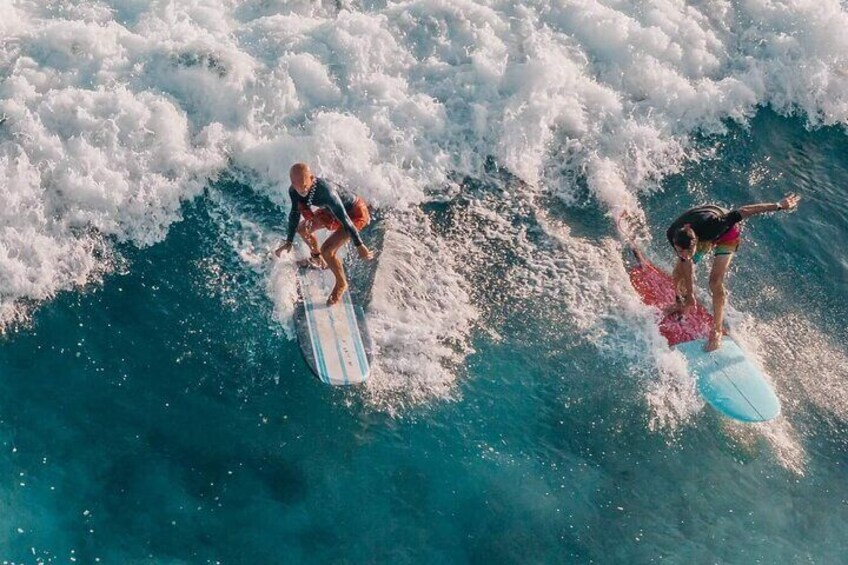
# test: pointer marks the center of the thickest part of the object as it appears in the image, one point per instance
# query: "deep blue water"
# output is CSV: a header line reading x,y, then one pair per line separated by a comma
x,y
163,416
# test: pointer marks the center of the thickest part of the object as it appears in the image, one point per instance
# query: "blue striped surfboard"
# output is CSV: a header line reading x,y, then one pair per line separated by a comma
x,y
331,337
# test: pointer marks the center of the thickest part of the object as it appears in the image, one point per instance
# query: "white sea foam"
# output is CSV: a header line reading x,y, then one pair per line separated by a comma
x,y
805,362
116,112
591,281
420,317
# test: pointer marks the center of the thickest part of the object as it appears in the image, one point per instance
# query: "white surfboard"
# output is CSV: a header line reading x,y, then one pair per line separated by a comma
x,y
331,336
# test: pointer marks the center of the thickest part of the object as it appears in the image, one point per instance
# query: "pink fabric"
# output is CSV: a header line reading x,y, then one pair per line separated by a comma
x,y
731,235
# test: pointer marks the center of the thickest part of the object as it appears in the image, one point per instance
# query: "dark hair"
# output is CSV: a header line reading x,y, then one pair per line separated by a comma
x,y
683,237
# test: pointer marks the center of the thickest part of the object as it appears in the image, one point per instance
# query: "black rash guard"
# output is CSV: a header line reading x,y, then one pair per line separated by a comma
x,y
708,222
324,195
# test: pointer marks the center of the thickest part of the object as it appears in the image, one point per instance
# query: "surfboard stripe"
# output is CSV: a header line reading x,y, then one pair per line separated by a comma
x,y
312,325
331,314
742,394
325,327
333,361
730,382
357,338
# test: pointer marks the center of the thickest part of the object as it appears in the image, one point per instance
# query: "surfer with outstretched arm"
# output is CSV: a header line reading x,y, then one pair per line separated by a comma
x,y
337,210
711,228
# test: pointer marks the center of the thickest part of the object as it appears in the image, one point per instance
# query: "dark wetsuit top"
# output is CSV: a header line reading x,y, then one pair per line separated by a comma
x,y
708,222
323,195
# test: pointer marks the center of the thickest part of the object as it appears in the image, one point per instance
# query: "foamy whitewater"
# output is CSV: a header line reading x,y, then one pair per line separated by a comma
x,y
115,114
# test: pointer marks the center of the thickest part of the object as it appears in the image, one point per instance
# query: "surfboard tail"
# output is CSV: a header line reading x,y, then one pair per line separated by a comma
x,y
624,223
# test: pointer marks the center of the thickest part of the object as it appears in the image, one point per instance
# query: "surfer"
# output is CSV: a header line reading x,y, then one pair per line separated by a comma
x,y
711,228
337,210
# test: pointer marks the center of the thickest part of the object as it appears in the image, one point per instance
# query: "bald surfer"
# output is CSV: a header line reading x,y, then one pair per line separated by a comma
x,y
325,205
711,228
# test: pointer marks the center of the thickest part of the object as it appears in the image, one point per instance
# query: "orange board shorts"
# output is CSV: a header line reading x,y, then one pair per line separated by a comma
x,y
359,215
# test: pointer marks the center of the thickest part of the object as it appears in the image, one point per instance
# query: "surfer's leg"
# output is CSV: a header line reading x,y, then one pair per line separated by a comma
x,y
328,251
677,277
721,263
306,230
683,280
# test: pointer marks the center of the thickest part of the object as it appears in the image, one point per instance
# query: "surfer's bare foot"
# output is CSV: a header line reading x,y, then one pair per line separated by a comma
x,y
336,295
317,262
714,341
314,262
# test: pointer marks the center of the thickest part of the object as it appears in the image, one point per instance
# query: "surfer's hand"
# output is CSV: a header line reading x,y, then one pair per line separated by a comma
x,y
672,309
677,310
284,247
364,252
789,202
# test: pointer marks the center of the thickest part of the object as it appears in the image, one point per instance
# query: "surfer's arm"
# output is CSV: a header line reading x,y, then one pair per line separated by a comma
x,y
755,209
337,208
294,217
683,277
790,202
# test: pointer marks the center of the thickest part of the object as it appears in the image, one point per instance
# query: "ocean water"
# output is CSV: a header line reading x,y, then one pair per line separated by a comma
x,y
154,405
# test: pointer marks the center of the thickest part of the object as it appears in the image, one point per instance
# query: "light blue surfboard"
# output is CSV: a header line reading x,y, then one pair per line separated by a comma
x,y
730,382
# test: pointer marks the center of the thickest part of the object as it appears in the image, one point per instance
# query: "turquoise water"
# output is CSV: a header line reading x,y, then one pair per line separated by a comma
x,y
155,408
164,417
